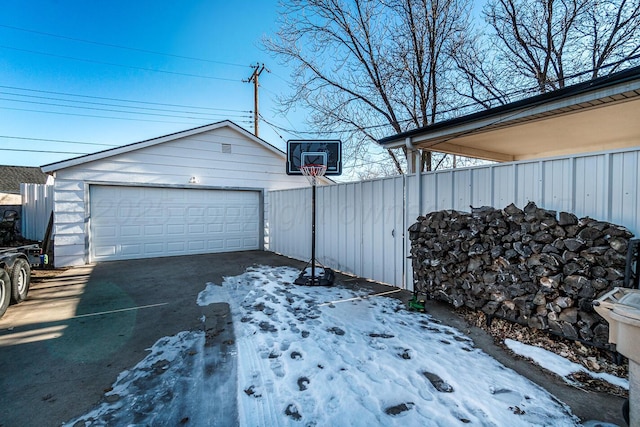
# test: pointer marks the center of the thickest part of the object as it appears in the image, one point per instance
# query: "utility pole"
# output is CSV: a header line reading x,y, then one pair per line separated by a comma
x,y
257,70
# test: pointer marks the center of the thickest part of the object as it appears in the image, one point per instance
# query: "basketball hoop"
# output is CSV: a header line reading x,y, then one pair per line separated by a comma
x,y
312,172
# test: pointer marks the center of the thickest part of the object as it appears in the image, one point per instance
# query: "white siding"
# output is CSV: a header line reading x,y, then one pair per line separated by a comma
x,y
249,165
356,219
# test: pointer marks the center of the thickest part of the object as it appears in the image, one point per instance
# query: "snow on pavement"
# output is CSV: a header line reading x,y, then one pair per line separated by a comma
x,y
315,356
364,362
559,365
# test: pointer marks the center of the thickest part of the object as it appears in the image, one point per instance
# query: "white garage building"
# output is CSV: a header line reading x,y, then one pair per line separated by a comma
x,y
203,190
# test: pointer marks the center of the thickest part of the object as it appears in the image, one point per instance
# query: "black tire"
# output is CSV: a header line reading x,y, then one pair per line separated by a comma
x,y
5,291
20,279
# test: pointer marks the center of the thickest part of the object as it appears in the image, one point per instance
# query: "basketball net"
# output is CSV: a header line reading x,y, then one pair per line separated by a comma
x,y
312,172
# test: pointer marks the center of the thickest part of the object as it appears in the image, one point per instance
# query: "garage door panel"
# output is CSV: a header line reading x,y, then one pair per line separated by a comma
x,y
196,229
131,230
131,249
153,230
175,229
154,248
215,228
105,231
141,222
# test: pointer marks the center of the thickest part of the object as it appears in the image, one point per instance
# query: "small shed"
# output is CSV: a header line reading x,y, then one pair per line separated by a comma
x,y
202,190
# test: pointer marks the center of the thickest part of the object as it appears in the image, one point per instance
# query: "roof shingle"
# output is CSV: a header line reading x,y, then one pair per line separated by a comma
x,y
12,176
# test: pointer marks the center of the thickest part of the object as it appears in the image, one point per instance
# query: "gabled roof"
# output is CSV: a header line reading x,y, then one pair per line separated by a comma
x,y
52,167
12,176
598,115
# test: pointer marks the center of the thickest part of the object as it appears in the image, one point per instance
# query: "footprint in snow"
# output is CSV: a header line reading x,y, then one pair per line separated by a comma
x,y
440,384
335,330
406,354
251,391
376,335
399,409
292,411
303,382
267,327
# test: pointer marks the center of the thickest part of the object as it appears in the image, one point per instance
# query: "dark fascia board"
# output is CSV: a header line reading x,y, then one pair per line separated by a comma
x,y
581,88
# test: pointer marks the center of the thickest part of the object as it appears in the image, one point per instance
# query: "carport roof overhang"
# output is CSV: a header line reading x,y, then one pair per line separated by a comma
x,y
602,114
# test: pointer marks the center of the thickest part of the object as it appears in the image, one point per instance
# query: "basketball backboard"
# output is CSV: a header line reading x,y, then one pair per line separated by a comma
x,y
304,152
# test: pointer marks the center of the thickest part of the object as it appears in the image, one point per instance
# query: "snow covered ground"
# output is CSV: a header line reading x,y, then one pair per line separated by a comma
x,y
319,356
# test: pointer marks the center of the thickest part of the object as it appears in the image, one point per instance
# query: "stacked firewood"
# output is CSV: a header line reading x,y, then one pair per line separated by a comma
x,y
530,266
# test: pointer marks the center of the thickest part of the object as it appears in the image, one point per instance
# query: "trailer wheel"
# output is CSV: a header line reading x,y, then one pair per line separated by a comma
x,y
5,291
21,279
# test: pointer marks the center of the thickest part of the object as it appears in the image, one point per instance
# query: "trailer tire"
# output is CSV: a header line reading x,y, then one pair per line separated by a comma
x,y
21,280
5,291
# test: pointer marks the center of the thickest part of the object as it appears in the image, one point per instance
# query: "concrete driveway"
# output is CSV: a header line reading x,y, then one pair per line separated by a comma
x,y
63,347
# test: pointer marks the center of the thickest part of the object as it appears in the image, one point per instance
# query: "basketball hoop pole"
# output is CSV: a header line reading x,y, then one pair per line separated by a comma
x,y
312,172
313,231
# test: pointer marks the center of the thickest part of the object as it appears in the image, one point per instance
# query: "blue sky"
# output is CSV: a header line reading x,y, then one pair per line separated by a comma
x,y
45,68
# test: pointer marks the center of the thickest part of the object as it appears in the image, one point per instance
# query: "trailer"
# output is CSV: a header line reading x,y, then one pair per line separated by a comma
x,y
15,273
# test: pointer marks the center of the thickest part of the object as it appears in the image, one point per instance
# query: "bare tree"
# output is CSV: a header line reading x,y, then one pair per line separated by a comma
x,y
611,34
366,68
550,42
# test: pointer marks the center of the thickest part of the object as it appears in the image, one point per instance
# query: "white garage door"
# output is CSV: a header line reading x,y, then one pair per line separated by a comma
x,y
147,222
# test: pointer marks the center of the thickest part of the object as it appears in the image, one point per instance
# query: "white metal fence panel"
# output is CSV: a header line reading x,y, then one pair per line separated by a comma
x,y
362,226
290,222
359,227
37,205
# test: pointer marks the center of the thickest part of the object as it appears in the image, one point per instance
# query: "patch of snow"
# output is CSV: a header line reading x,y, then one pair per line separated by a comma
x,y
320,356
559,365
306,358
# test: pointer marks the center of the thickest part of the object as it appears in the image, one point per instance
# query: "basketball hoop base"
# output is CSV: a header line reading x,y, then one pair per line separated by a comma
x,y
324,277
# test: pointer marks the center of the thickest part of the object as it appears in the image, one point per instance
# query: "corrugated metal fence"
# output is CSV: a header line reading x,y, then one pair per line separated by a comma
x,y
361,226
37,205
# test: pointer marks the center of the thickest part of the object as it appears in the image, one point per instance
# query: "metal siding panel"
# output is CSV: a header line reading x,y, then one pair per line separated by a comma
x,y
358,267
377,232
624,189
429,193
389,224
590,179
444,183
367,230
462,189
557,185
37,205
481,193
400,228
503,185
527,183
350,239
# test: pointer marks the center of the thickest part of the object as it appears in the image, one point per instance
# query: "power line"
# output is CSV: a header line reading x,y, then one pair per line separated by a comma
x,y
103,104
56,140
23,150
121,47
108,117
118,65
121,100
116,111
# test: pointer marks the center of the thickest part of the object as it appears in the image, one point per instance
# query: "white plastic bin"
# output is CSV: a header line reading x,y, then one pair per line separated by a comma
x,y
621,308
